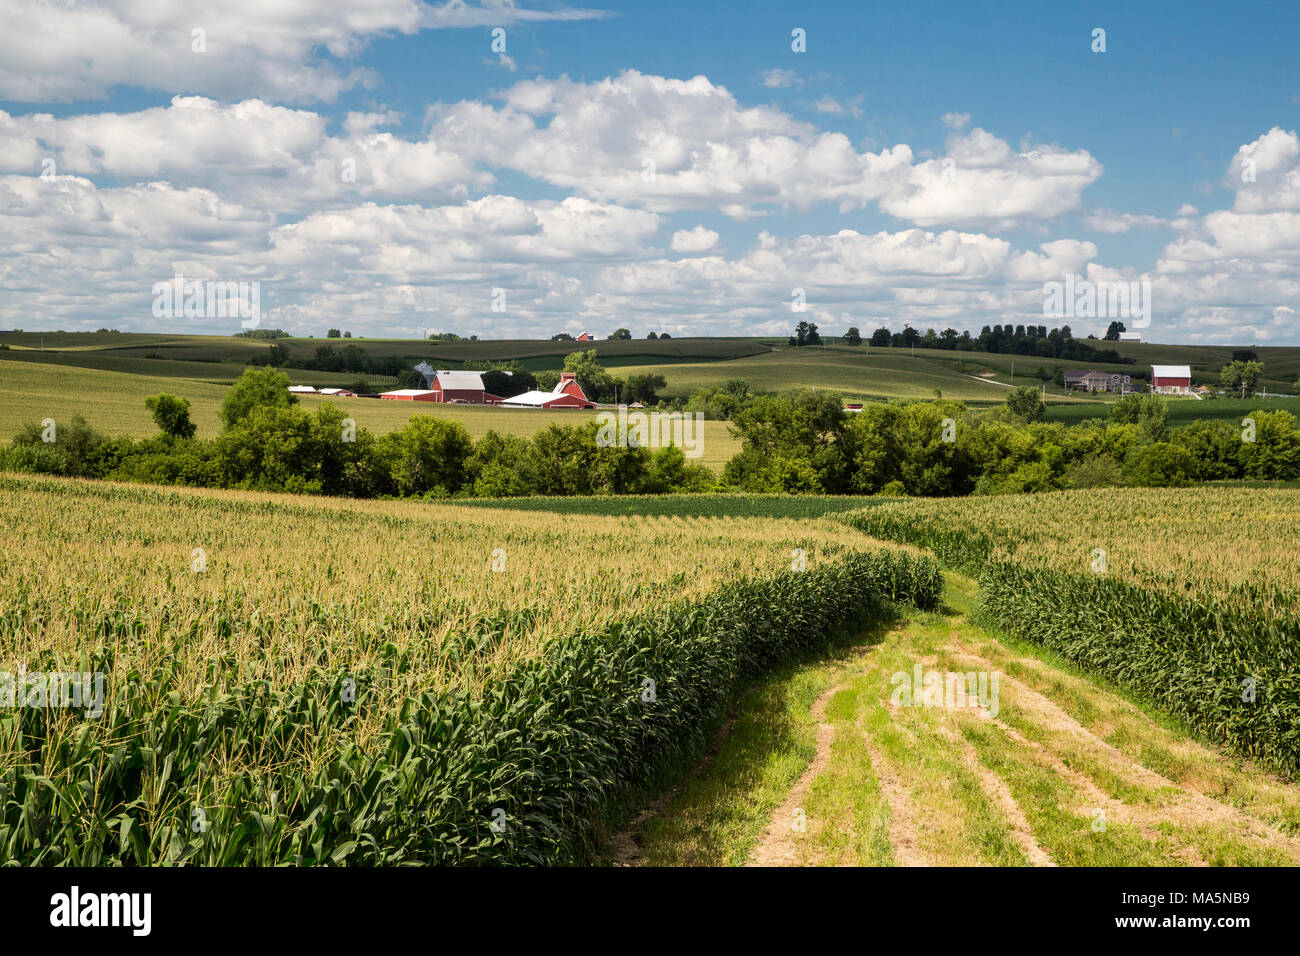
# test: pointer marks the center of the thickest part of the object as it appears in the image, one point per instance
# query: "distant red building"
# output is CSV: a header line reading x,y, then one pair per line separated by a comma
x,y
585,337
409,395
567,393
1171,379
461,388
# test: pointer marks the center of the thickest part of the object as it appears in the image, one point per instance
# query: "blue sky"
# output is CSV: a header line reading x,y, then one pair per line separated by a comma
x,y
474,171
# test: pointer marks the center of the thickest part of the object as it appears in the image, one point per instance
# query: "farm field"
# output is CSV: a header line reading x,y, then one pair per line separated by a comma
x,y
532,353
853,372
254,664
1211,541
54,382
687,506
1188,599
1182,411
251,655
1144,714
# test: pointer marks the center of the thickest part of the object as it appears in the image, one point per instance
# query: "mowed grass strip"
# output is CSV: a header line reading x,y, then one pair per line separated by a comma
x,y
720,814
1147,737
1085,794
1063,821
847,812
957,822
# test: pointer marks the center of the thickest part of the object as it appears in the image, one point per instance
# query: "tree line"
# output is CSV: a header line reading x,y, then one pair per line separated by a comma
x,y
1032,340
796,443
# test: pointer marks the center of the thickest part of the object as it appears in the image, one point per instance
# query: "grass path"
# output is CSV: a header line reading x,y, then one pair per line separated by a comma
x,y
830,764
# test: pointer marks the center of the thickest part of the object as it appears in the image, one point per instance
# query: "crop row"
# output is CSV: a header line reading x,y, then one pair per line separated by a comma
x,y
1221,655
526,770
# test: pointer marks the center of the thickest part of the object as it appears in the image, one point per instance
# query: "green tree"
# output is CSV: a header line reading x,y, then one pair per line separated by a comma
x,y
256,388
1094,471
1025,405
1150,413
77,450
1241,375
805,333
500,466
1274,453
429,456
1216,447
591,375
333,334
171,414
805,426
510,382
1160,465
619,335
853,336
644,388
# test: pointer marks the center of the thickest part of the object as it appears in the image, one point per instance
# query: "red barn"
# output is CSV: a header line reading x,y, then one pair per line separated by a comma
x,y
462,388
585,337
409,395
566,394
1171,379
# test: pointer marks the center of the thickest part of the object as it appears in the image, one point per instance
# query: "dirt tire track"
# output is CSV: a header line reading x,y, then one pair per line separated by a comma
x,y
1189,807
627,844
904,834
777,846
997,791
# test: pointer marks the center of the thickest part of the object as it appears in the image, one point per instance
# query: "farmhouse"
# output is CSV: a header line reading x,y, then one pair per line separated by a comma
x,y
1099,382
585,337
338,392
1171,379
1088,381
567,393
302,389
1130,336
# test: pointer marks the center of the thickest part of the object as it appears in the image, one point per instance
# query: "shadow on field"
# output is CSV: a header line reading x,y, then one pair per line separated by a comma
x,y
708,807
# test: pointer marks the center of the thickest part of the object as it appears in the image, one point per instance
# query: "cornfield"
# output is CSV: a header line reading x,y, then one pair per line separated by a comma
x,y
315,681
1187,597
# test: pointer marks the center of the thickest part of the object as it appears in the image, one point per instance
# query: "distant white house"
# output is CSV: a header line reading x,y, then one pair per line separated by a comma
x,y
1130,336
302,389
